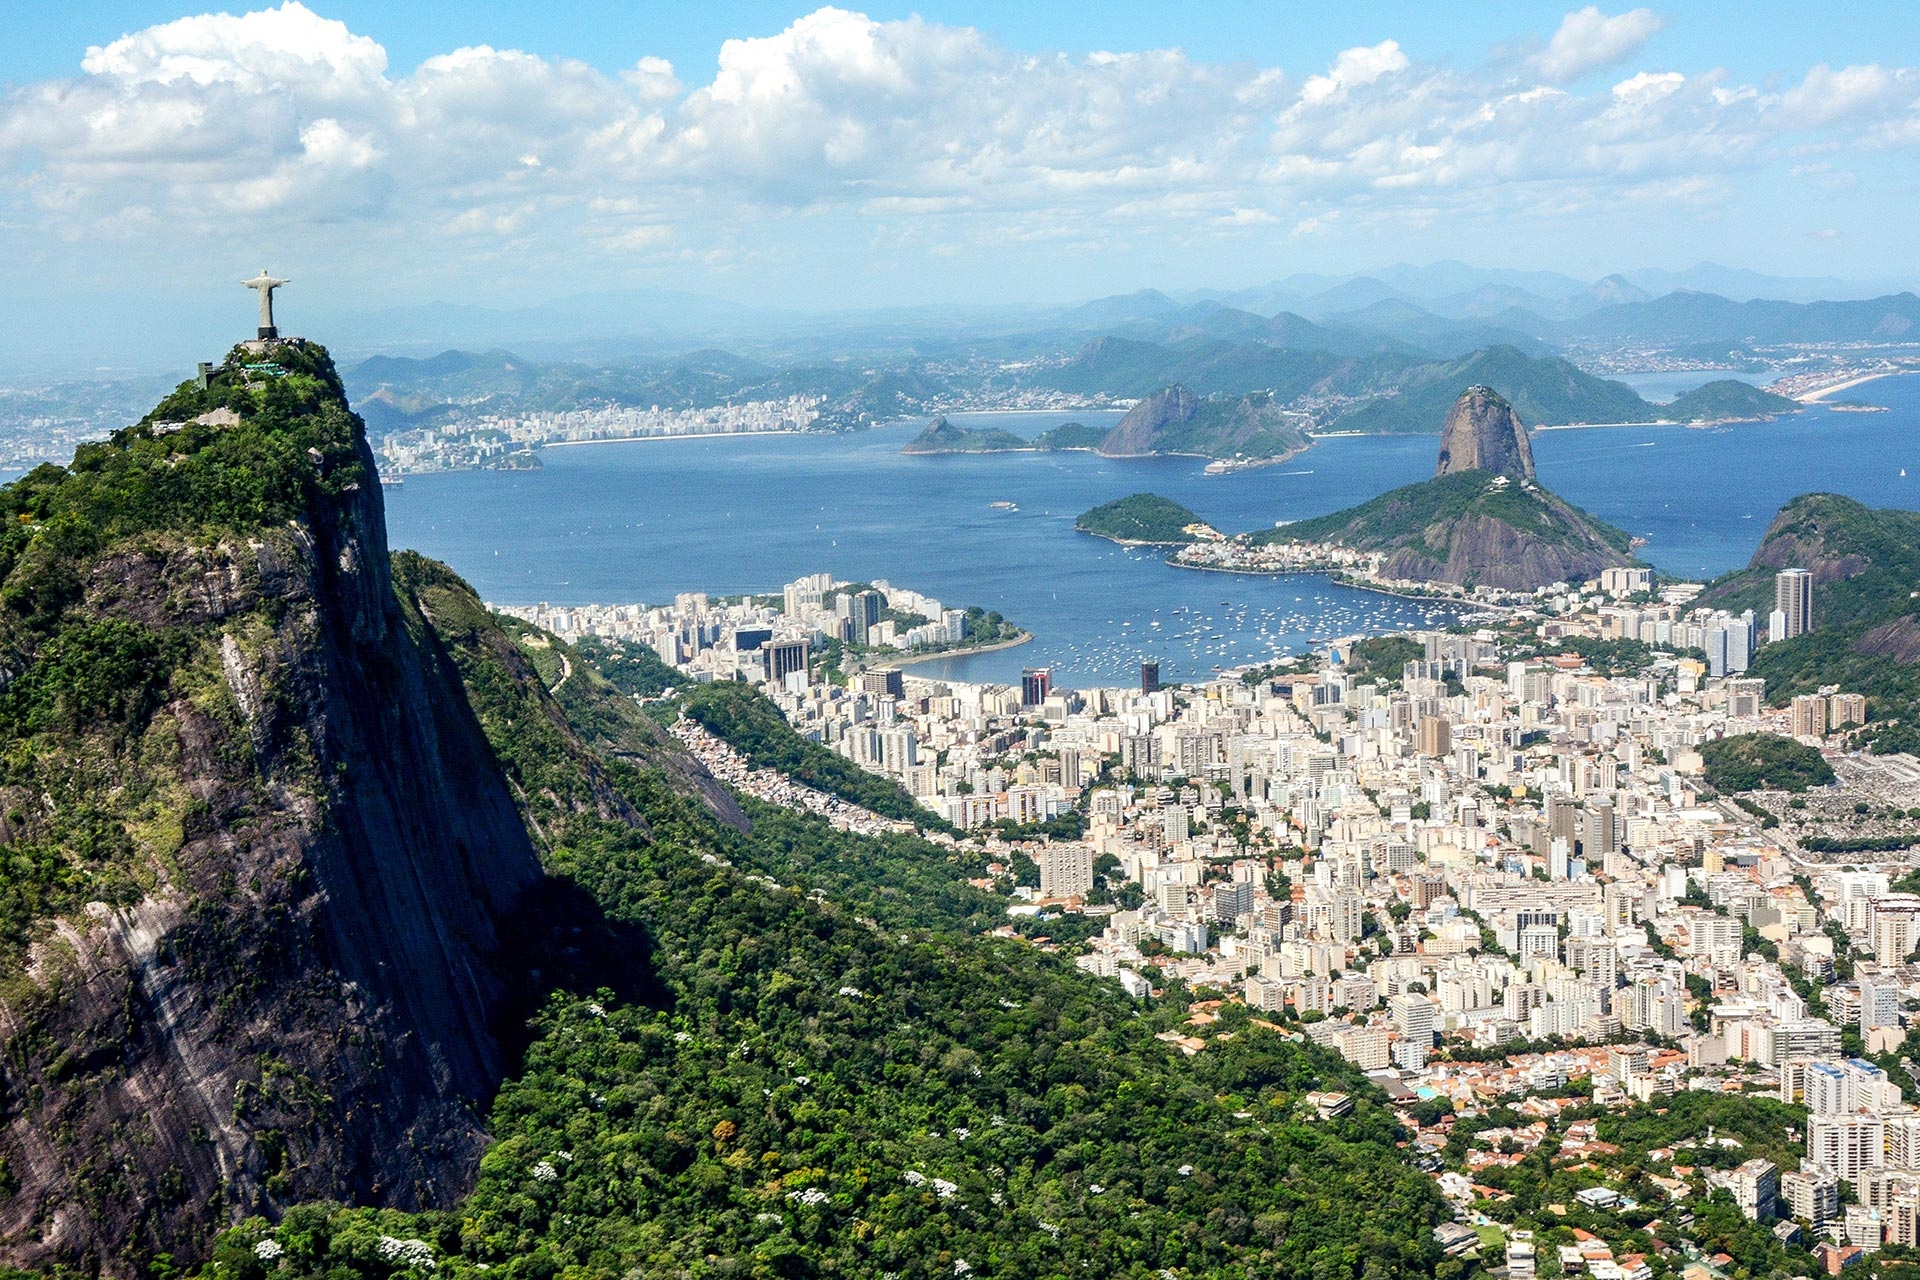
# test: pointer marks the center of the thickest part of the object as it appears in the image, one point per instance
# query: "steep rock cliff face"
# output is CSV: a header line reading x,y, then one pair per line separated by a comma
x,y
1483,433
272,925
1484,550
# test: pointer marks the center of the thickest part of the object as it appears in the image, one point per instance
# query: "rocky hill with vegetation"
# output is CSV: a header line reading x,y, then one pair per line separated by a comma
x,y
1865,564
1728,400
1145,518
263,864
1175,420
1068,436
1483,520
390,937
942,436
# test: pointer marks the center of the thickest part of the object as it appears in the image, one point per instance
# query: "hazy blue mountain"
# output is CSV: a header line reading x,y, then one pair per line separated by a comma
x,y
1743,285
1107,312
1544,392
1448,277
1439,335
1126,367
1348,296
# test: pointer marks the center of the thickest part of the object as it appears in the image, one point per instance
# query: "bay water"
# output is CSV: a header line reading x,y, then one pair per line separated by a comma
x,y
643,521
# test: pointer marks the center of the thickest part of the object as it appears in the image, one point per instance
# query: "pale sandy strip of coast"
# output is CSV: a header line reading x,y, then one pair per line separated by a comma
x,y
882,664
1815,397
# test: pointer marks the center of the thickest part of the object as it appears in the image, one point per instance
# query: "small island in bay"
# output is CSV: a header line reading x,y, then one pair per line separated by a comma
x,y
1233,431
942,436
1069,436
1146,519
1728,400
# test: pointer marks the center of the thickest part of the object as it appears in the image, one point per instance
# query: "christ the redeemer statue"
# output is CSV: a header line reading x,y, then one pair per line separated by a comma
x,y
266,284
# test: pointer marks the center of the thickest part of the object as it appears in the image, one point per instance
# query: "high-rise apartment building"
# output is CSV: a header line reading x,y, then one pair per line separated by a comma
x,y
1413,1018
1066,870
1035,684
1792,604
1808,714
1896,928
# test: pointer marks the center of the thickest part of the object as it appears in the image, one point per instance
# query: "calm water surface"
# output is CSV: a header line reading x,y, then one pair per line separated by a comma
x,y
625,522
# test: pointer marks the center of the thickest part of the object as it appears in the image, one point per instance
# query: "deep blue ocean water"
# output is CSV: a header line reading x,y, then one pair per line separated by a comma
x,y
643,521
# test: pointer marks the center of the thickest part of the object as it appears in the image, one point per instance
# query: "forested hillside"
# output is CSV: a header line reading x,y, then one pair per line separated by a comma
x,y
394,894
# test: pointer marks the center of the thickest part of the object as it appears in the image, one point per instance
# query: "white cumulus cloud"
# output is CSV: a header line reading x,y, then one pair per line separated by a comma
x,y
219,125
1589,40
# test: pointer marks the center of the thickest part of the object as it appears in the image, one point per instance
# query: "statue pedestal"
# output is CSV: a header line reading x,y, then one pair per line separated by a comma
x,y
268,331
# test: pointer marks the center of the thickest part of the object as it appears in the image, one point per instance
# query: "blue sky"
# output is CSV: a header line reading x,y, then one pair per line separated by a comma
x,y
1754,40
494,153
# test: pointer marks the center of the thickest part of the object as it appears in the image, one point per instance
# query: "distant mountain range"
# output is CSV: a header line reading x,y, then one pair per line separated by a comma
x,y
1440,309
1366,386
398,392
1425,300
1545,391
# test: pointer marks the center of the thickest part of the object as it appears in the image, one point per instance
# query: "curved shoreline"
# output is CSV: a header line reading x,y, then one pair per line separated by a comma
x,y
1819,396
1129,542
911,659
1333,576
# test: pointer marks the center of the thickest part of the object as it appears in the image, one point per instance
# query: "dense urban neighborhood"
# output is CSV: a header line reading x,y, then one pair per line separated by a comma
x,y
1550,880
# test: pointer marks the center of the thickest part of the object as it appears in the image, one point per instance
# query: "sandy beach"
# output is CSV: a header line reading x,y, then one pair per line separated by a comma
x,y
1815,397
907,660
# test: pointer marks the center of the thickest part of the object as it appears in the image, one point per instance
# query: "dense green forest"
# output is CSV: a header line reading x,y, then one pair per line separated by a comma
x,y
1763,762
774,1084
1727,399
630,668
1140,517
1383,659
